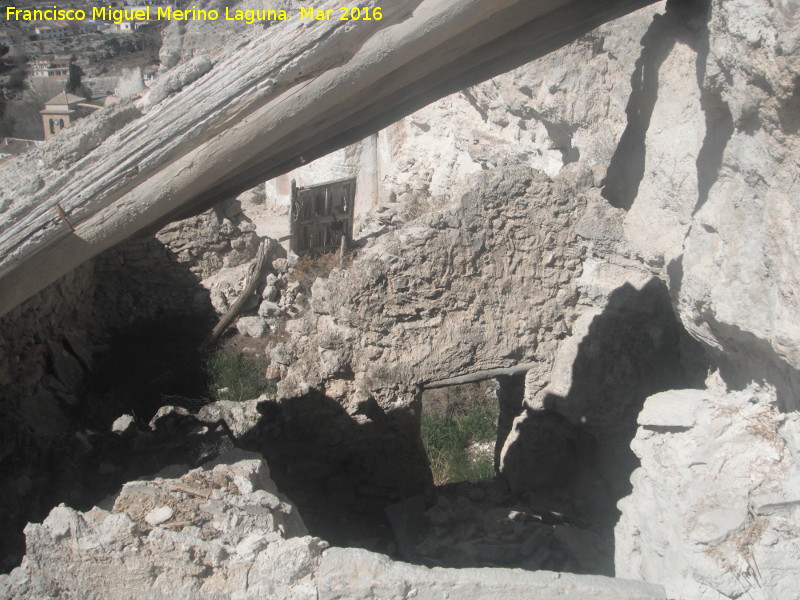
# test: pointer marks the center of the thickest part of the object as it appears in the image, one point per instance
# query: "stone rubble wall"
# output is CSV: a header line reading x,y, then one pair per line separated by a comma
x,y
44,359
191,267
223,531
434,299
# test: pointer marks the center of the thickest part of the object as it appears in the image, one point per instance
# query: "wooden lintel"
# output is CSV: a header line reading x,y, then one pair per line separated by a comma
x,y
480,376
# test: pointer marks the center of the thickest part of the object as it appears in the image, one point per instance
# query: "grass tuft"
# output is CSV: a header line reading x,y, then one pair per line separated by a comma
x,y
237,376
452,420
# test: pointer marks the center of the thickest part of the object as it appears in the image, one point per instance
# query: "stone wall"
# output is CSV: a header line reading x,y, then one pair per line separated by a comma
x,y
224,531
44,359
160,276
51,384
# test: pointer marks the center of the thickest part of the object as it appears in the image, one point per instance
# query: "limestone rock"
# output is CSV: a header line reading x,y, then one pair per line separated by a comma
x,y
240,416
216,524
714,504
379,578
123,425
268,308
674,408
167,417
270,293
159,515
255,327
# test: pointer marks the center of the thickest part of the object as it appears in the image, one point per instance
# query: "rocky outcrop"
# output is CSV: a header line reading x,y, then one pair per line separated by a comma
x,y
736,281
714,505
690,139
215,532
222,531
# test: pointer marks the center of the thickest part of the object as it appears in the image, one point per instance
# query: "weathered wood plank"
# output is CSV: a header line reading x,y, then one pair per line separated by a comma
x,y
258,271
239,85
480,376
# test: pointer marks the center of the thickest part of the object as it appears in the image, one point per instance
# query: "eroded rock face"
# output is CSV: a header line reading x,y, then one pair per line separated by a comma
x,y
739,283
714,504
487,284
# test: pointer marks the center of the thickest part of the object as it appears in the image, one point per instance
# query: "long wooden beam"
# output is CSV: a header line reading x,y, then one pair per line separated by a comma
x,y
271,107
480,376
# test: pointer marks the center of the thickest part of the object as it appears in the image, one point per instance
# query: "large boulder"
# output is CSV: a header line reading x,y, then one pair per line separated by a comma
x,y
714,508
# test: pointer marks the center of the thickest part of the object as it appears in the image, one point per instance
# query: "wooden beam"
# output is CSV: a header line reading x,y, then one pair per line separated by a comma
x,y
255,277
480,376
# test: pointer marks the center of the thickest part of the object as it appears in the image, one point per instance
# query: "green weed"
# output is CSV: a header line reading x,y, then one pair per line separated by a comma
x,y
236,376
452,420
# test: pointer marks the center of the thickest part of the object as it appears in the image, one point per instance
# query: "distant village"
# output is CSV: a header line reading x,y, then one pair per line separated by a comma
x,y
23,31
59,71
